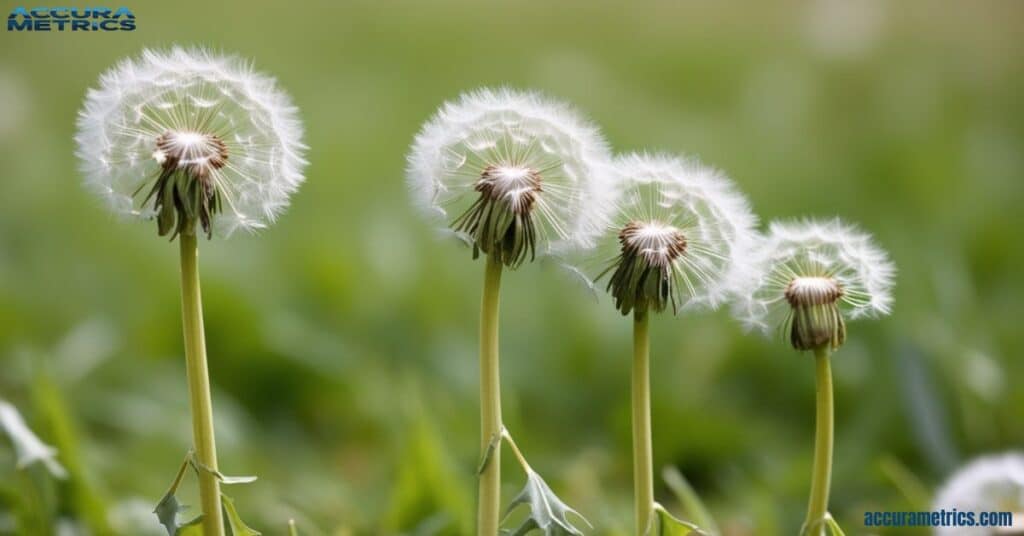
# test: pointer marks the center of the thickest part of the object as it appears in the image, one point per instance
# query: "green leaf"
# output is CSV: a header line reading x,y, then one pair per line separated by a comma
x,y
192,528
167,512
547,512
168,508
692,505
833,526
427,481
665,524
224,479
28,448
486,458
236,527
827,522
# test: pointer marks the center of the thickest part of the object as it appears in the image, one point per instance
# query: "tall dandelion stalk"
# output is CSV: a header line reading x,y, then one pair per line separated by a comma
x,y
673,239
808,277
202,145
508,173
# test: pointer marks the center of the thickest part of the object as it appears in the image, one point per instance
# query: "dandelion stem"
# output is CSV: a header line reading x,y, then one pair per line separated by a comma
x,y
488,513
824,431
199,386
643,470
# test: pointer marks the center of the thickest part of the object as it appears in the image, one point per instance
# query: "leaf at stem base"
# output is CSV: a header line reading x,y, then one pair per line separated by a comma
x,y
547,512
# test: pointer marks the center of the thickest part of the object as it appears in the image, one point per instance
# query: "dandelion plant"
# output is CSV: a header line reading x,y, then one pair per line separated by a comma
x,y
675,234
204,146
509,173
808,278
991,483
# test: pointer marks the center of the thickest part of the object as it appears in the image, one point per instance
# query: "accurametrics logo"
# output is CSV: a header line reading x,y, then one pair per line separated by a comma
x,y
71,19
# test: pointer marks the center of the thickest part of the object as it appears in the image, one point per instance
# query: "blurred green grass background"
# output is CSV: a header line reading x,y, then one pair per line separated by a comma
x,y
342,339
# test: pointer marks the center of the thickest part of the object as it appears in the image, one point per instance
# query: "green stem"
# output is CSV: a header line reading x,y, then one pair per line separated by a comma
x,y
643,469
488,513
199,386
823,439
515,450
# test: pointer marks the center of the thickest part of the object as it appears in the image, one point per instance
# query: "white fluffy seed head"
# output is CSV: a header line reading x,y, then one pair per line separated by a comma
x,y
537,154
992,483
687,223
811,263
218,117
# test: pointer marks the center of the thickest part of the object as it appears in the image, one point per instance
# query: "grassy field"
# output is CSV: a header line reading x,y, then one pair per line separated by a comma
x,y
343,339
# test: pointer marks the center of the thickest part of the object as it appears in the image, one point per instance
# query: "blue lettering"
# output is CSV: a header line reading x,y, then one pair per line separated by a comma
x,y
15,24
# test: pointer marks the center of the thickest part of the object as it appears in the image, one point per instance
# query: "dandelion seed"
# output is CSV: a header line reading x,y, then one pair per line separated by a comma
x,y
510,172
676,231
191,139
808,277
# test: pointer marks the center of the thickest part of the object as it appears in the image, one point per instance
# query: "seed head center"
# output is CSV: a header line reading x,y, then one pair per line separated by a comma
x,y
195,153
807,291
657,243
518,186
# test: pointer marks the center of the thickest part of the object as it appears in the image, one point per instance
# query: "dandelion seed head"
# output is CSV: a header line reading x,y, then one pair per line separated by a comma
x,y
993,483
512,172
187,115
824,270
673,236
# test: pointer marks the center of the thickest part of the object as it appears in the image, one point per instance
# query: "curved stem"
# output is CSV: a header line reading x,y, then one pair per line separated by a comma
x,y
824,436
489,497
643,470
199,386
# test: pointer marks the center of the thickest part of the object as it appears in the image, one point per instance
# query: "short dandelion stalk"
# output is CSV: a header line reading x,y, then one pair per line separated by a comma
x,y
509,173
201,144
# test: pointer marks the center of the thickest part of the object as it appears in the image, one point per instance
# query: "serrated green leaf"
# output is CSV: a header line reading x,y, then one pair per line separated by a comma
x,y
236,527
168,508
167,512
192,528
665,524
547,512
